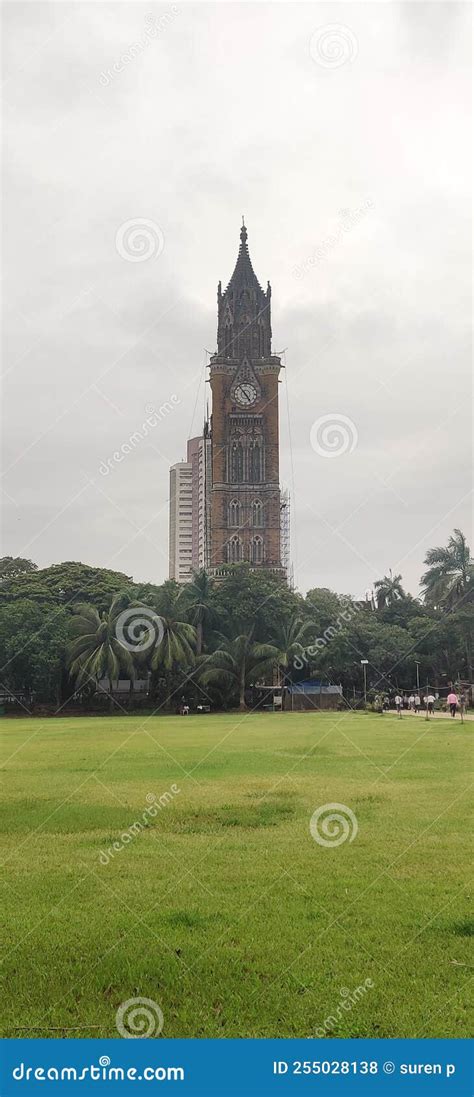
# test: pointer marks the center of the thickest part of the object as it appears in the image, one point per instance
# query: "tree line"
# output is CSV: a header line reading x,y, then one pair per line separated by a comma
x,y
65,628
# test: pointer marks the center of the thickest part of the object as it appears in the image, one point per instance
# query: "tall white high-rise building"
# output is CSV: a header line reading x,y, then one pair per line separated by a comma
x,y
181,522
189,510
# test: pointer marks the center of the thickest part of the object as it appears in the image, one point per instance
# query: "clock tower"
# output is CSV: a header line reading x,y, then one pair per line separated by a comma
x,y
245,491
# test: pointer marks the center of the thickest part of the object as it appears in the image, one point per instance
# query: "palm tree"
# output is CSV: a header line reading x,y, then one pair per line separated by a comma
x,y
450,573
239,663
165,633
199,601
162,640
94,651
389,590
169,598
290,639
176,645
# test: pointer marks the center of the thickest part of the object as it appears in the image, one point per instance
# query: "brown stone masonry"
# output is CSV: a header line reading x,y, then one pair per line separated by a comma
x,y
245,494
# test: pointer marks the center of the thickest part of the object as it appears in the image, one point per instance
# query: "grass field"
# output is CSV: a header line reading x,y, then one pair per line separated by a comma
x,y
224,910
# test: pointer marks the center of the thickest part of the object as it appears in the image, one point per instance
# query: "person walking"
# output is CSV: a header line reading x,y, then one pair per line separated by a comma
x,y
398,704
417,703
411,702
430,700
452,703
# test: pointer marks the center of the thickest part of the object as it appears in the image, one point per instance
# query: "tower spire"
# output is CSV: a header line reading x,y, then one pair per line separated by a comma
x,y
243,325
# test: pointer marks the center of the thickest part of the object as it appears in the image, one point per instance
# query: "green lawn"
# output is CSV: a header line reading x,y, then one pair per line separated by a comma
x,y
224,910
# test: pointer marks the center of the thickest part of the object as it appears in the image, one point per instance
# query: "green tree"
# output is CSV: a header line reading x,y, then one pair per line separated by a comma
x,y
94,651
168,637
387,648
324,606
252,600
291,638
443,643
389,590
13,566
176,645
402,611
239,663
169,600
200,605
450,572
66,584
32,642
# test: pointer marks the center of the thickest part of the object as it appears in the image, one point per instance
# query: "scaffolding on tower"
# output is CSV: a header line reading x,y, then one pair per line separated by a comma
x,y
285,535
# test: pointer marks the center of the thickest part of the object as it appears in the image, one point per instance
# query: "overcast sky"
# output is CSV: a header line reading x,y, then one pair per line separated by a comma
x,y
347,149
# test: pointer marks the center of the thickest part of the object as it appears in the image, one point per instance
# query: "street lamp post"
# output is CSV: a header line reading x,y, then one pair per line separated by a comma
x,y
417,676
364,663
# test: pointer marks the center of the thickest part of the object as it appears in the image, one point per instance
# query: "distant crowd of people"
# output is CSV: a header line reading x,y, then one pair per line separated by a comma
x,y
415,701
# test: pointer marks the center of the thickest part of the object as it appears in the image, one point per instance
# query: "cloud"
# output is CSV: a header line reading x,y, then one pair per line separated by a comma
x,y
225,113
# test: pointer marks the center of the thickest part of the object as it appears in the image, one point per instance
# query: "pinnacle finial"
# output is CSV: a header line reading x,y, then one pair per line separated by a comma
x,y
243,232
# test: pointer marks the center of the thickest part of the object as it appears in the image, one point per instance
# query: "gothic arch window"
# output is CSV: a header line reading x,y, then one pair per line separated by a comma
x,y
235,513
257,513
255,462
237,463
256,550
234,550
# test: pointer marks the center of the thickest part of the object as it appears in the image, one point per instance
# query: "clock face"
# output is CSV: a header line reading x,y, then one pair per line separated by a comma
x,y
245,394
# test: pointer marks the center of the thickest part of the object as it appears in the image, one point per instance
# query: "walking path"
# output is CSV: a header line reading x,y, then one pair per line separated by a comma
x,y
434,715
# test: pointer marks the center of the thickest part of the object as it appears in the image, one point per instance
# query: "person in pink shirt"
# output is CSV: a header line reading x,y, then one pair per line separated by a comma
x,y
452,702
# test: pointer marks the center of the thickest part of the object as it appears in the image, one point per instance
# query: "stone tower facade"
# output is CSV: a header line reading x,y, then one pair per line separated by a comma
x,y
245,493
